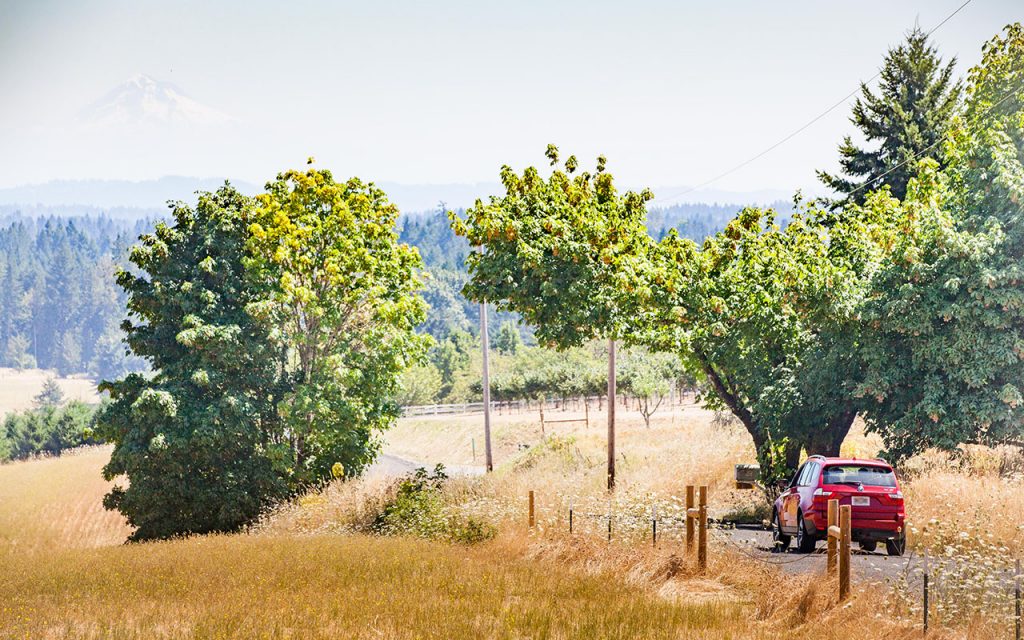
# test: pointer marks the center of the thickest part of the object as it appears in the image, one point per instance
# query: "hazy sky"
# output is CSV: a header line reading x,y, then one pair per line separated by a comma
x,y
419,92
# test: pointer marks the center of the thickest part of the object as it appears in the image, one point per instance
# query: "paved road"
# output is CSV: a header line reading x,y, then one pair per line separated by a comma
x,y
871,567
389,465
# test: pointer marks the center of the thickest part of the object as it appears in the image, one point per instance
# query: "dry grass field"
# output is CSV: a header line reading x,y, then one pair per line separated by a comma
x,y
18,388
308,572
54,504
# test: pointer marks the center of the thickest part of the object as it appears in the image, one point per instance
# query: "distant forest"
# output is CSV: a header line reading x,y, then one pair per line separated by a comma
x,y
61,309
59,305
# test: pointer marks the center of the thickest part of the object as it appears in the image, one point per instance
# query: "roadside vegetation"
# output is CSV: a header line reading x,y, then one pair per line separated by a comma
x,y
283,332
322,559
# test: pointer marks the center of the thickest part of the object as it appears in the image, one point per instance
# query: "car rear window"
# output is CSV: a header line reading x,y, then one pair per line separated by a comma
x,y
869,475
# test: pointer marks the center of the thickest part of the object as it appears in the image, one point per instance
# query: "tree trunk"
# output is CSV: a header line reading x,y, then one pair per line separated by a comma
x,y
829,439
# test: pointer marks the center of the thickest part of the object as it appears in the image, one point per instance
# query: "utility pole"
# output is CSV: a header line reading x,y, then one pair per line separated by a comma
x,y
611,414
485,342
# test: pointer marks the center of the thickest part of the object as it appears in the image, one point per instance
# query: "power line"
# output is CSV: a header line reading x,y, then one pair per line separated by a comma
x,y
806,125
916,156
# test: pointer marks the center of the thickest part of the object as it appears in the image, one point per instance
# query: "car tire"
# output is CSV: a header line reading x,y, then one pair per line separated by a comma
x,y
804,542
896,546
869,546
780,539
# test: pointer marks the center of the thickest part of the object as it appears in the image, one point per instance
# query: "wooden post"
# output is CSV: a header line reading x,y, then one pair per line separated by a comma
x,y
926,604
485,343
570,516
532,520
586,411
1017,598
654,525
702,531
611,418
542,417
833,520
690,503
473,441
844,552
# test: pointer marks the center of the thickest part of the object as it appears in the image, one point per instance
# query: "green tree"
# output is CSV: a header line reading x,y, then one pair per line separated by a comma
x,y
452,357
419,385
336,292
51,395
199,440
650,377
947,312
767,318
907,117
563,251
566,253
49,429
17,352
507,340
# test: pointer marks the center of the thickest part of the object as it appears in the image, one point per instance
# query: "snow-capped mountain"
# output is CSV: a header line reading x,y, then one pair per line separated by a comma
x,y
143,100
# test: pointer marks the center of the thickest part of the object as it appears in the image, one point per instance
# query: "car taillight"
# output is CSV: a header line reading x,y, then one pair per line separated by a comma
x,y
821,493
895,498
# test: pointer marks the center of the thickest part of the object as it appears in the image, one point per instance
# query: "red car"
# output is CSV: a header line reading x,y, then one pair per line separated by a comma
x,y
870,487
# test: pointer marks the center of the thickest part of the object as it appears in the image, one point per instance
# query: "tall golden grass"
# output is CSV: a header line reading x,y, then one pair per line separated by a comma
x,y
308,570
49,504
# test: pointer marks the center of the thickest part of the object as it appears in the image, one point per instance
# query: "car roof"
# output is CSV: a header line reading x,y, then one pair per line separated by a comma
x,y
873,462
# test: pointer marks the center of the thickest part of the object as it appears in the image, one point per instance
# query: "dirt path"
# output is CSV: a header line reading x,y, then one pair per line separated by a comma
x,y
388,464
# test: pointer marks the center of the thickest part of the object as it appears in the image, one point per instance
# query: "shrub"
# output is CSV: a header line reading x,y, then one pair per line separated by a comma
x,y
418,509
47,430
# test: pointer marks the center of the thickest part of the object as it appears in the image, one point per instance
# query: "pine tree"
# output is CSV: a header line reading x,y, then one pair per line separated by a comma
x,y
916,100
51,395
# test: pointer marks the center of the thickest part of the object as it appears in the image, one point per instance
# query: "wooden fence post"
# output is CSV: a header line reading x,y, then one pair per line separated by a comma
x,y
1016,595
926,603
702,532
570,516
689,521
532,520
833,520
654,525
844,552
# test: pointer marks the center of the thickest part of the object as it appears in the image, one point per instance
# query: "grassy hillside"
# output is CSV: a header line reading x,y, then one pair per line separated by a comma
x,y
306,572
53,504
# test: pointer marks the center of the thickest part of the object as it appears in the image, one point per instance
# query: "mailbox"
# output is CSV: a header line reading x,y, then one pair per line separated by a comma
x,y
747,475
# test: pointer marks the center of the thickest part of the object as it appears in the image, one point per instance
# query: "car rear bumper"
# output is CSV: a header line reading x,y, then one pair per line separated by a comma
x,y
875,534
861,529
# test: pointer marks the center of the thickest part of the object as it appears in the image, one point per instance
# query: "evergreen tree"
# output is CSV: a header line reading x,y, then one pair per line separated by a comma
x,y
16,355
916,99
507,340
947,311
51,395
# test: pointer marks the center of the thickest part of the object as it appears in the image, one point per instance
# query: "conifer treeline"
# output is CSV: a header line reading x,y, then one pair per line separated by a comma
x,y
59,306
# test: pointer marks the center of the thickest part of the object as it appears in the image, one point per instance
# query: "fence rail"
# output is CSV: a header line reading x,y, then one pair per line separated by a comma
x,y
569,403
